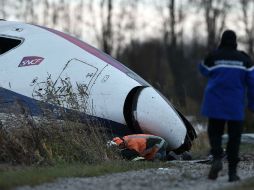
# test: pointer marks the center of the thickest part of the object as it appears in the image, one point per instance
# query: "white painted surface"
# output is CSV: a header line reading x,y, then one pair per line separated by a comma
x,y
107,86
155,116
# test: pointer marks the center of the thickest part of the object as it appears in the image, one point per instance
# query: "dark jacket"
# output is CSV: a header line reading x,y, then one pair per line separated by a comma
x,y
230,74
145,144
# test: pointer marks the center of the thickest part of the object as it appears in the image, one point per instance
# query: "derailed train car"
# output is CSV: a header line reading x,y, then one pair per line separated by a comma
x,y
117,96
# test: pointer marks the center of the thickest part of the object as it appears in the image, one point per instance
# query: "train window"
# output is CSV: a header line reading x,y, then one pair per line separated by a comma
x,y
7,43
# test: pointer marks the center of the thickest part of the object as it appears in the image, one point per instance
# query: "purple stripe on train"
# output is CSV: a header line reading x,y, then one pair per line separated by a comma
x,y
101,55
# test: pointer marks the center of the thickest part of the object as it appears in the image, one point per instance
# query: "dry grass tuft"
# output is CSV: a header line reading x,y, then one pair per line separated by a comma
x,y
25,139
28,140
200,147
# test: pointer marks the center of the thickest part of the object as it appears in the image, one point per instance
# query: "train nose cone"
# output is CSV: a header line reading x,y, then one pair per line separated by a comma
x,y
156,116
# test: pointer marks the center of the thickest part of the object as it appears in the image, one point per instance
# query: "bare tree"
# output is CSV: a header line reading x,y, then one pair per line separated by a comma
x,y
46,7
172,22
247,7
215,13
173,37
19,7
77,22
55,14
113,23
25,10
125,24
99,19
107,34
64,11
3,12
29,13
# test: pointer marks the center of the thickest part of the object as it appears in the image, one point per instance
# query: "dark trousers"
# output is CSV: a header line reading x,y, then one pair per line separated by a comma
x,y
215,132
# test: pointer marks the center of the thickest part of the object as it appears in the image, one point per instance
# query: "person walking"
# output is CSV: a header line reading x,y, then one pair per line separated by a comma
x,y
150,147
230,75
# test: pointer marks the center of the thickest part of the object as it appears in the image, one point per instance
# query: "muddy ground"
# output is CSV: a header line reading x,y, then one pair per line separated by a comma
x,y
178,175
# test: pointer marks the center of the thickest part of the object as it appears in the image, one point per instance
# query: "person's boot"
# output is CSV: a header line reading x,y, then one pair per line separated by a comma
x,y
233,177
232,174
215,169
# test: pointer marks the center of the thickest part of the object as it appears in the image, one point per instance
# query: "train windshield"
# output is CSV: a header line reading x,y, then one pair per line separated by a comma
x,y
8,43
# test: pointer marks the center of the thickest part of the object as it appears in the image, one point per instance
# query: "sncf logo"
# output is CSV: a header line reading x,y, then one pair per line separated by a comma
x,y
31,60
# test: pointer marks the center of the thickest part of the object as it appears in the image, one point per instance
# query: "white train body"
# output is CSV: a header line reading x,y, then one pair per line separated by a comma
x,y
115,93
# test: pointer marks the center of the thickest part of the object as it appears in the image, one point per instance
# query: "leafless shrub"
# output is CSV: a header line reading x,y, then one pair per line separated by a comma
x,y
45,139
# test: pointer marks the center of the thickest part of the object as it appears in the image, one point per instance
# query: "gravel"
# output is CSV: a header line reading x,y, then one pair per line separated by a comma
x,y
179,175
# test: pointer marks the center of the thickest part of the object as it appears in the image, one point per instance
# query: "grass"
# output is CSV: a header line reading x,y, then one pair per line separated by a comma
x,y
247,184
35,150
200,147
246,148
45,140
12,177
44,143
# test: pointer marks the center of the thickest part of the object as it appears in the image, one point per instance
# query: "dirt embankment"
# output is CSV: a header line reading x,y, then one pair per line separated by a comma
x,y
179,175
